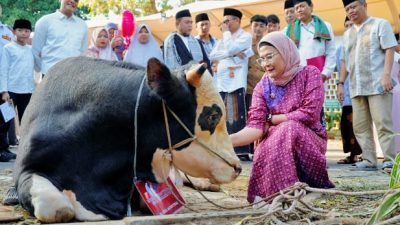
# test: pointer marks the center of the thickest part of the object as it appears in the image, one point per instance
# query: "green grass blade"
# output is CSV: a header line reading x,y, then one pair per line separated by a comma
x,y
387,206
395,174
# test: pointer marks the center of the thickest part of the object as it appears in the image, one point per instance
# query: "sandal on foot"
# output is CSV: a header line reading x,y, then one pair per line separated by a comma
x,y
347,160
364,165
387,165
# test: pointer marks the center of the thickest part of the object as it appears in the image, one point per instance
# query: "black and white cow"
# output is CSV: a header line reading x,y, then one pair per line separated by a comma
x,y
75,158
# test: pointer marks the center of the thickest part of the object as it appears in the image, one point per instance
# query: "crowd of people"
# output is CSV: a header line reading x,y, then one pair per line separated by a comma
x,y
271,80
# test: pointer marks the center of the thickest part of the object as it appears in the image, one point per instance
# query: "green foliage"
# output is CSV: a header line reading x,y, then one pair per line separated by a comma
x,y
389,205
32,10
138,7
392,201
331,118
395,174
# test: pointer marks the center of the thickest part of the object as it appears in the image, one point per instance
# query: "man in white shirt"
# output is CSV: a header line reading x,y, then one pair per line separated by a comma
x,y
368,49
314,39
181,47
290,15
58,36
232,55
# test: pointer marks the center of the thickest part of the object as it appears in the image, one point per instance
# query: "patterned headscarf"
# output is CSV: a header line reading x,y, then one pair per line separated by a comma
x,y
288,50
104,53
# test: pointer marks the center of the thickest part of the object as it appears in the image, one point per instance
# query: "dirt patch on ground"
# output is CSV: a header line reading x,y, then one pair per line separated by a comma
x,y
234,194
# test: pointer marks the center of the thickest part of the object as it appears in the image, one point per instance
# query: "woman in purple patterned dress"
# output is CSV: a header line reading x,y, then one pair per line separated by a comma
x,y
284,114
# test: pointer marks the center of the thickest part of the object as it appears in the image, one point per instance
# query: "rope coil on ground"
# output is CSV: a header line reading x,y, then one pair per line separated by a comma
x,y
288,202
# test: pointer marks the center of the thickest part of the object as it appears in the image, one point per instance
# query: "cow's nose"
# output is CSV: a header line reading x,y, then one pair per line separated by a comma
x,y
238,169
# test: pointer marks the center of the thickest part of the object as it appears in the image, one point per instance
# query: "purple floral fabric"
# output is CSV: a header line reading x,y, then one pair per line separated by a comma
x,y
294,150
272,93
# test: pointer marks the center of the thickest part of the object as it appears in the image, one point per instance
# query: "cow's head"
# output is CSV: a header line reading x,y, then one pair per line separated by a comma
x,y
219,163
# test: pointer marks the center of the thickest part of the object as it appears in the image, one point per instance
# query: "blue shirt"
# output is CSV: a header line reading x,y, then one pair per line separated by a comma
x,y
346,86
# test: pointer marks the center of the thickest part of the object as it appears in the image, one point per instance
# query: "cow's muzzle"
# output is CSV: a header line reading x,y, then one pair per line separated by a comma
x,y
238,169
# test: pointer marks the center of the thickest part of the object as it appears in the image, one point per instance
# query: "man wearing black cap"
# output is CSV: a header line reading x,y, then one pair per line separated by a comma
x,y
181,47
314,39
313,36
203,26
232,54
16,79
290,16
368,56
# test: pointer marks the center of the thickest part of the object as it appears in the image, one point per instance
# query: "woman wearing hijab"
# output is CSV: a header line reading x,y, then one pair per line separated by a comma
x,y
101,47
284,114
143,47
116,40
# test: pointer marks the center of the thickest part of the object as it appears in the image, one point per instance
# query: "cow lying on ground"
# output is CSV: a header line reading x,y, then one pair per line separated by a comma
x,y
75,158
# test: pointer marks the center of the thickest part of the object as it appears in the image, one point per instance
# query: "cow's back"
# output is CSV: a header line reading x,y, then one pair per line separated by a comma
x,y
75,128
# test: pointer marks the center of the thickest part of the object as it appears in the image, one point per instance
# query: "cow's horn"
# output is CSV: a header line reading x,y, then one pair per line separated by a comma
x,y
194,75
201,69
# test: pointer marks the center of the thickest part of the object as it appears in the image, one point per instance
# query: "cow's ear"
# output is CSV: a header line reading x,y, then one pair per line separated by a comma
x,y
157,73
193,76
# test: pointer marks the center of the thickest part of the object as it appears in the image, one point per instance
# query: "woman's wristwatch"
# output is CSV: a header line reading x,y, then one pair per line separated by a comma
x,y
340,83
269,118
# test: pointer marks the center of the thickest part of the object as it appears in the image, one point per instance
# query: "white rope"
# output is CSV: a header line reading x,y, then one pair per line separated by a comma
x,y
129,208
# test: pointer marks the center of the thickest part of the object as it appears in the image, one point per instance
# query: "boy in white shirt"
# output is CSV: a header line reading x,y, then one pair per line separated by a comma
x,y
16,77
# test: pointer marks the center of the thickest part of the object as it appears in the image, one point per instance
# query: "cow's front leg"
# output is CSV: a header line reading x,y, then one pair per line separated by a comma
x,y
50,205
201,184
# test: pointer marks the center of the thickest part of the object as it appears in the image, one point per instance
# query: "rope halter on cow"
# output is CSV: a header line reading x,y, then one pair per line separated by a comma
x,y
167,154
184,142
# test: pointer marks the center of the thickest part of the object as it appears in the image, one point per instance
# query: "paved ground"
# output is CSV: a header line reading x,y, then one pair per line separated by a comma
x,y
234,194
333,154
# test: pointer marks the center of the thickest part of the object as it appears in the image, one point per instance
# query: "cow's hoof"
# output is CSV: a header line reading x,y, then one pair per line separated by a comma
x,y
64,214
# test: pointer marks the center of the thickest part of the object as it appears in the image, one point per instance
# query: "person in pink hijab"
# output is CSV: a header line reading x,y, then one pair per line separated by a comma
x,y
101,47
284,118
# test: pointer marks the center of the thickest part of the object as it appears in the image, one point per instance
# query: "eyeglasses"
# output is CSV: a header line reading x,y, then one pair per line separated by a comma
x,y
225,21
268,58
228,20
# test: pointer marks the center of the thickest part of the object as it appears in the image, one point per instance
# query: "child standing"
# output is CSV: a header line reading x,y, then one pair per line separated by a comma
x,y
101,47
16,75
